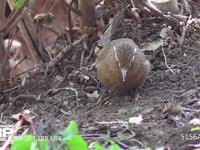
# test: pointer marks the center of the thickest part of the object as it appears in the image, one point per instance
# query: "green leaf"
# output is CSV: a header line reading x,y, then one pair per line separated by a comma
x,y
70,131
196,128
42,145
23,143
98,147
77,143
17,4
114,146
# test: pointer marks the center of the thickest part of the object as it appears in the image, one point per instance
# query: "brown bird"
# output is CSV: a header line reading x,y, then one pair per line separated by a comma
x,y
121,65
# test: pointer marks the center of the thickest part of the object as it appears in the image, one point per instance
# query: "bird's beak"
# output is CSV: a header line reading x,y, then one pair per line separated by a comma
x,y
124,71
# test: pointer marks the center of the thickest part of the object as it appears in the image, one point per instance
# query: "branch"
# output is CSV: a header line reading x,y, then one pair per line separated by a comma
x,y
13,17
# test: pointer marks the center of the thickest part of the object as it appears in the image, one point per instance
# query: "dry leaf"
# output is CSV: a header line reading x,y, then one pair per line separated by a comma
x,y
136,120
195,121
95,94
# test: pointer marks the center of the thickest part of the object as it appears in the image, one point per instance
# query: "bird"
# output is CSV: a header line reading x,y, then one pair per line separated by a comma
x,y
121,65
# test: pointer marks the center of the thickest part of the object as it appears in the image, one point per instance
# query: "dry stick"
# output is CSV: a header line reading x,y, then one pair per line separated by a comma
x,y
26,117
24,58
189,21
28,31
194,76
68,89
70,23
51,29
41,25
25,97
13,17
57,102
187,6
9,140
1,117
92,135
12,89
2,11
169,19
123,145
135,13
26,71
71,8
16,21
44,6
13,25
195,80
29,35
84,73
59,57
53,5
78,12
166,58
101,96
43,41
82,58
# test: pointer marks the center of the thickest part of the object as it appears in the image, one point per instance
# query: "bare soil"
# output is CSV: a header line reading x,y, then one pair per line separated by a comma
x,y
62,95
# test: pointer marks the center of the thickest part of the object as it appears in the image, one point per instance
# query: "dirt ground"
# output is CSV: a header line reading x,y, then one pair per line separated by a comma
x,y
167,101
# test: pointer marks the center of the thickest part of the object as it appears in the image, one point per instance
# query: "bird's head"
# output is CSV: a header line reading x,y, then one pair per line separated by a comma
x,y
124,56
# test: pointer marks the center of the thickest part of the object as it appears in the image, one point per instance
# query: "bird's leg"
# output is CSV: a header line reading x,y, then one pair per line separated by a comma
x,y
135,95
101,97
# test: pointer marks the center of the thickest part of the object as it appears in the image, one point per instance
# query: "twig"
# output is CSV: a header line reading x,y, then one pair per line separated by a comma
x,y
16,21
118,142
53,91
25,117
13,17
70,8
72,67
25,72
187,6
166,59
169,19
189,21
20,61
1,117
78,12
16,87
82,59
57,102
135,13
194,76
16,128
24,97
59,57
92,135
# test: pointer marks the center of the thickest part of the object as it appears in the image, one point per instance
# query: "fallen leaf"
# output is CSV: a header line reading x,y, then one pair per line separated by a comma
x,y
136,120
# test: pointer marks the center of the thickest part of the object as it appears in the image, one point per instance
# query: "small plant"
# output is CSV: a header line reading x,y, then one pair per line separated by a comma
x,y
18,3
28,142
70,140
196,128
